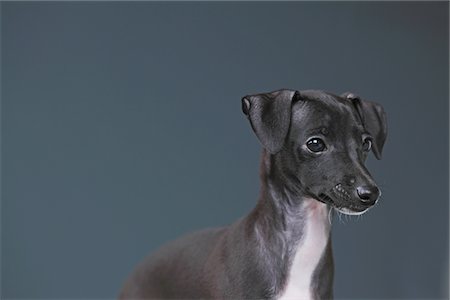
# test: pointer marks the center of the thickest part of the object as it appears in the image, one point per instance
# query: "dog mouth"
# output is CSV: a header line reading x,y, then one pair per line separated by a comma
x,y
325,199
347,209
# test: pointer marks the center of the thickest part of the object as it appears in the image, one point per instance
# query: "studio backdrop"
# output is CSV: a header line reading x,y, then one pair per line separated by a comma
x,y
121,129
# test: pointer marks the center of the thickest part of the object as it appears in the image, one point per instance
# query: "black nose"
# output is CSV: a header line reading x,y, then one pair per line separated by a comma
x,y
368,194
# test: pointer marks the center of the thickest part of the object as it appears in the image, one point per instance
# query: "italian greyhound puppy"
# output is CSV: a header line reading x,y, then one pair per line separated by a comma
x,y
315,145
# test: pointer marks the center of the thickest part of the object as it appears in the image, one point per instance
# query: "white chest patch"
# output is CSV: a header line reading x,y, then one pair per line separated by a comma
x,y
309,251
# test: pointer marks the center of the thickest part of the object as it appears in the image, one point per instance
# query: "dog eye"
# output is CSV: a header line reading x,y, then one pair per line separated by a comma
x,y
316,145
367,144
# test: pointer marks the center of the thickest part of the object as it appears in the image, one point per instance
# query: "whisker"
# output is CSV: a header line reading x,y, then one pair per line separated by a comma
x,y
329,214
340,216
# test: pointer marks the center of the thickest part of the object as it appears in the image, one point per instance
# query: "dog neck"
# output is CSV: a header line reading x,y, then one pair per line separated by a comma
x,y
292,231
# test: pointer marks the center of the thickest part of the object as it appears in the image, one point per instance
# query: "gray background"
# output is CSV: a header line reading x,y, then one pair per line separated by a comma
x,y
122,129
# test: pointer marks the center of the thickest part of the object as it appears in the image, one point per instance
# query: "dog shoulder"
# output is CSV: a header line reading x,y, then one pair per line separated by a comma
x,y
175,266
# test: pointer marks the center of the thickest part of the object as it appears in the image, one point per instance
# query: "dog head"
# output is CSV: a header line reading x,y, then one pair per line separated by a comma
x,y
321,141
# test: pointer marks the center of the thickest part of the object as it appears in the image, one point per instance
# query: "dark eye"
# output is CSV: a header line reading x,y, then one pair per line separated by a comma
x,y
367,144
316,145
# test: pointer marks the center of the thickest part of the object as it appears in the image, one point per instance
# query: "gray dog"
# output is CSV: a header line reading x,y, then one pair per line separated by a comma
x,y
315,145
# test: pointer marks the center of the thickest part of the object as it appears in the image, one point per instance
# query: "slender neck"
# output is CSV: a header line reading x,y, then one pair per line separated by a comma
x,y
282,202
280,218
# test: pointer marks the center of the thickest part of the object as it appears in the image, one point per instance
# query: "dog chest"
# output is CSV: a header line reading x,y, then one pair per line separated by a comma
x,y
309,252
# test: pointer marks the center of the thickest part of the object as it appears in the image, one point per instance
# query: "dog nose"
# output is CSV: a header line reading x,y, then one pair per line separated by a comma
x,y
368,194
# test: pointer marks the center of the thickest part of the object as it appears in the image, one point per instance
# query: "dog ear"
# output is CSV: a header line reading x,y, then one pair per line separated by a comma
x,y
374,121
270,116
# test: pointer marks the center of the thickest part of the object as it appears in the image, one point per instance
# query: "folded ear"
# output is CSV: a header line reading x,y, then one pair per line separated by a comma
x,y
270,116
374,121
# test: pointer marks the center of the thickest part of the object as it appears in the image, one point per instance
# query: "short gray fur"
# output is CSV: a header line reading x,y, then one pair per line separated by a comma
x,y
94,94
252,258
